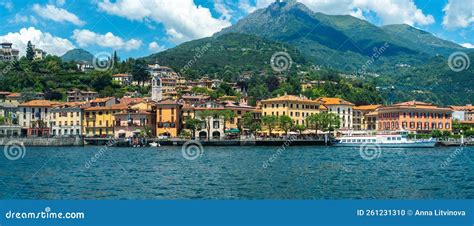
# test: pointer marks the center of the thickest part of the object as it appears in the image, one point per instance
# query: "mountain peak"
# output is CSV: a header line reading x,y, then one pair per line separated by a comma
x,y
285,5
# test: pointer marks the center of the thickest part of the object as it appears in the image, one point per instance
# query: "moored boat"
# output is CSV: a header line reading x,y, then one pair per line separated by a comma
x,y
389,140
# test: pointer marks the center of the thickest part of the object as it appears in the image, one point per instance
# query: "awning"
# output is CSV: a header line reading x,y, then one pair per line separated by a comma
x,y
233,130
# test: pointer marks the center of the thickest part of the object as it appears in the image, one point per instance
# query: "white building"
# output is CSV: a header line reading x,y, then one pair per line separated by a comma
x,y
7,53
342,108
123,79
216,129
34,117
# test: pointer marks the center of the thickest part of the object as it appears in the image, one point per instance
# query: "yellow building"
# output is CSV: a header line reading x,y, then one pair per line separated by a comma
x,y
365,117
99,121
168,118
66,119
297,107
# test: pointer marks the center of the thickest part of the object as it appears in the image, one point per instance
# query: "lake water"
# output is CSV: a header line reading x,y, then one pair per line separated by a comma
x,y
237,173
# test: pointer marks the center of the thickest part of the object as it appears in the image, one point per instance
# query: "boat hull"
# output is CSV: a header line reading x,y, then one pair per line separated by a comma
x,y
427,144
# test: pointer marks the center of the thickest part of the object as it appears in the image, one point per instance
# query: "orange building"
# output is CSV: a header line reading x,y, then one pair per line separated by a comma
x,y
414,116
168,121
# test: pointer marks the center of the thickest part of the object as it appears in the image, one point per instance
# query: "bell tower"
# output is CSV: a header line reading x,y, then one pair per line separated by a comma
x,y
156,89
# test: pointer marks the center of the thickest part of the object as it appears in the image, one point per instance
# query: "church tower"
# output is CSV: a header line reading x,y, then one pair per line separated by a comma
x,y
156,89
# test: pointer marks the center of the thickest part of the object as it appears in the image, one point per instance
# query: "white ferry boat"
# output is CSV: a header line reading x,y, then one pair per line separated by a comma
x,y
389,140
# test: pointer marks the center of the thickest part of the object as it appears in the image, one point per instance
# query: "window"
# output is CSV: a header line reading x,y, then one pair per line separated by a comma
x,y
215,124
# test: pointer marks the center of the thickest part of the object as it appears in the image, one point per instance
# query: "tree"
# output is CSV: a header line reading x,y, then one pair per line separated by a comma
x,y
250,123
27,94
30,53
192,124
300,128
146,131
324,121
139,72
436,134
227,115
285,123
270,122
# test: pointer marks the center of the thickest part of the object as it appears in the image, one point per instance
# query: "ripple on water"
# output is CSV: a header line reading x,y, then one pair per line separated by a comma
x,y
237,173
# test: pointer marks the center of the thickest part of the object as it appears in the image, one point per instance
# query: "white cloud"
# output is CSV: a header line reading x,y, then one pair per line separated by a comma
x,y
22,19
45,41
458,14
51,12
60,2
389,11
155,47
246,6
221,8
468,45
183,20
7,4
109,40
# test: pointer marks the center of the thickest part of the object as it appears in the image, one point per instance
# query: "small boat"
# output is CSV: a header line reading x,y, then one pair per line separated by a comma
x,y
398,139
154,144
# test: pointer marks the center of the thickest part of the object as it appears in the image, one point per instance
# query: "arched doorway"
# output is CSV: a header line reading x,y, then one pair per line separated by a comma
x,y
216,135
202,135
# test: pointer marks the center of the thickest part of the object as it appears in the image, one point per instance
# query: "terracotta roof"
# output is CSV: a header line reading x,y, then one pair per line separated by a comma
x,y
333,101
121,75
463,108
291,98
367,107
101,100
167,102
14,95
130,100
40,103
413,103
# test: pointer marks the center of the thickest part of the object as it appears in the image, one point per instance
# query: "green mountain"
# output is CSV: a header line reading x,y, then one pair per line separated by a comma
x,y
225,54
342,42
422,41
77,55
434,82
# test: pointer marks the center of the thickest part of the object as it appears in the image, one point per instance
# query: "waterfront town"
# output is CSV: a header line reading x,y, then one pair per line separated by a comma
x,y
181,108
173,111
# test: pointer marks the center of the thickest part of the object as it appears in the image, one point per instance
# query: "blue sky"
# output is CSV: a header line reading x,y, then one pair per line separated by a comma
x,y
141,27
